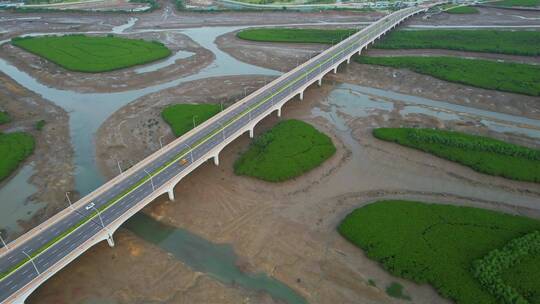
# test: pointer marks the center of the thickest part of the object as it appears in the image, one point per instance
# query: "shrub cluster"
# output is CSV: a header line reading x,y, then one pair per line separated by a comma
x,y
435,243
488,270
288,150
14,148
474,144
483,154
501,76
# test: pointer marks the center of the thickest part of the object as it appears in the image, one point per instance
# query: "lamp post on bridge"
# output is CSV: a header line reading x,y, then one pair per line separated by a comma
x,y
3,242
160,142
190,151
69,201
99,214
194,120
151,180
32,261
119,167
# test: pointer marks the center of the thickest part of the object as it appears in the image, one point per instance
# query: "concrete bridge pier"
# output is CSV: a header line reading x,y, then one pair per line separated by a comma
x,y
335,69
216,159
279,112
302,95
170,192
319,82
110,240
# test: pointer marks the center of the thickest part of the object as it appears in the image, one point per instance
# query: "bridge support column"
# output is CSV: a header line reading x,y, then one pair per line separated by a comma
x,y
216,159
251,133
335,69
319,82
348,60
110,240
302,95
359,51
279,112
170,192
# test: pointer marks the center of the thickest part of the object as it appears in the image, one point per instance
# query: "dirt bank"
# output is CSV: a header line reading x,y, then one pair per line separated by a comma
x,y
53,156
53,75
135,272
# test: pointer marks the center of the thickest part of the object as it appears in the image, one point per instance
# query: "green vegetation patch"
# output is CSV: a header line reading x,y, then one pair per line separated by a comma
x,y
505,42
91,53
395,290
435,244
488,270
518,3
295,35
524,278
40,125
463,10
501,76
289,149
4,117
181,116
14,148
483,154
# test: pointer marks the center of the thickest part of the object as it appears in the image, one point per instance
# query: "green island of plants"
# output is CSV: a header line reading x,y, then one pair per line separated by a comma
x,y
502,76
462,10
288,150
489,269
181,116
295,35
524,278
93,54
525,43
518,3
4,117
483,154
14,147
434,243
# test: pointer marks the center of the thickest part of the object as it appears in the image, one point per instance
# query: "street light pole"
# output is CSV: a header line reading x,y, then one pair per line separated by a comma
x,y
221,104
190,151
32,261
194,121
99,214
160,142
151,180
69,201
222,130
3,242
119,167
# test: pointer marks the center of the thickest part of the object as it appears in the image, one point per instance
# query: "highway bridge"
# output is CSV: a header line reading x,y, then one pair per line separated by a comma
x,y
31,259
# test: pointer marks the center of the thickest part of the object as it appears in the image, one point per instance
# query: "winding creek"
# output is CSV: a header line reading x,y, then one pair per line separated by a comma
x,y
87,111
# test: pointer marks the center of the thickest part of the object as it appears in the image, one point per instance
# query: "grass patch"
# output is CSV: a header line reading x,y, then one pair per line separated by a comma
x,y
295,35
14,148
431,243
289,149
483,154
4,117
492,41
40,125
524,278
509,77
93,54
180,116
395,290
488,270
518,3
463,10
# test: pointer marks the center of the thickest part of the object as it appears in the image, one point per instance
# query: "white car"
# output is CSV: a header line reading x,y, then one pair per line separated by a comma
x,y
90,206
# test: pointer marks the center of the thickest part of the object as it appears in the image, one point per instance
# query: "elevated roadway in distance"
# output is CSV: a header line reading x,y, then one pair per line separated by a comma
x,y
30,260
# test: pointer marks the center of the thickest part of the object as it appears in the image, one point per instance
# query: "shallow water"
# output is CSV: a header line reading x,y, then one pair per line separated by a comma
x,y
87,111
217,260
359,101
